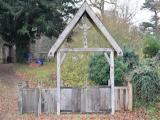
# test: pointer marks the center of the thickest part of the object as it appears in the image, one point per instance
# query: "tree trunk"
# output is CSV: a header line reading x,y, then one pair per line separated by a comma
x,y
22,48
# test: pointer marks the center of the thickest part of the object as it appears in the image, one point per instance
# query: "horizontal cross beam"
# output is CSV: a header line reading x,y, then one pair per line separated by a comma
x,y
86,50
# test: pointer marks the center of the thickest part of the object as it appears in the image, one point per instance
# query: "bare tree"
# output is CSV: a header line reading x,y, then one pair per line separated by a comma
x,y
126,11
99,4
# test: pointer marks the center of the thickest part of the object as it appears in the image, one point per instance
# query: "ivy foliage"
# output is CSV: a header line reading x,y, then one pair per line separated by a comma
x,y
151,46
146,77
130,58
146,81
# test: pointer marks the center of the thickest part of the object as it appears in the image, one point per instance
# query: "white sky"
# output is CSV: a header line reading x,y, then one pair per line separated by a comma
x,y
141,15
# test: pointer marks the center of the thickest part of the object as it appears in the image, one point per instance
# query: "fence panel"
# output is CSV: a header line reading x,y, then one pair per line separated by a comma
x,y
105,99
76,100
30,99
90,99
49,102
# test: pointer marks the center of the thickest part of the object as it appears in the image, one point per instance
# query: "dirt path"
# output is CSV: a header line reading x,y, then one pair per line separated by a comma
x,y
8,91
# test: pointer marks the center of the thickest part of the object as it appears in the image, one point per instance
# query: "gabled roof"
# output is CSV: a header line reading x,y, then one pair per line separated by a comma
x,y
85,8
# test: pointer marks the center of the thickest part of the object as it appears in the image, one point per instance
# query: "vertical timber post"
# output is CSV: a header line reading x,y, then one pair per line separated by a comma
x,y
130,96
58,83
112,82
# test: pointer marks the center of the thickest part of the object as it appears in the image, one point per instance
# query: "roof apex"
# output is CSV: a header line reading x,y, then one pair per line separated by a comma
x,y
84,8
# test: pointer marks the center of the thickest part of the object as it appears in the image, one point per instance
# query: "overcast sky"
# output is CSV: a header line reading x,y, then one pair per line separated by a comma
x,y
141,15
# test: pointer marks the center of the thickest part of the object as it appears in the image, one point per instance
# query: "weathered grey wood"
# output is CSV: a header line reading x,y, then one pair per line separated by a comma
x,y
103,30
112,82
84,8
29,100
90,100
20,97
49,102
126,99
109,82
67,30
107,57
130,96
105,99
63,57
66,98
94,99
121,98
86,50
116,98
58,83
39,102
121,101
76,100
83,98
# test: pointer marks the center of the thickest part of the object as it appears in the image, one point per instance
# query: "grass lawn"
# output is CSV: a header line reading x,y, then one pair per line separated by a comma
x,y
44,76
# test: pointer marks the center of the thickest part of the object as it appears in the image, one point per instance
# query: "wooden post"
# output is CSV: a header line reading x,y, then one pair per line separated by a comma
x,y
39,101
107,57
130,97
112,82
108,60
20,95
58,83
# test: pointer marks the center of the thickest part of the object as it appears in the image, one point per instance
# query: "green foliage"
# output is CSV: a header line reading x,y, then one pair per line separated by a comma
x,y
99,70
120,71
151,112
153,6
22,20
151,46
146,82
75,69
130,58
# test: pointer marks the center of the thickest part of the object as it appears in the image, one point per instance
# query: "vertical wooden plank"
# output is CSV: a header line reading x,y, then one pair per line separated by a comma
x,y
125,99
115,98
76,100
96,97
66,99
103,99
130,96
112,82
39,102
49,100
36,101
83,100
121,100
58,83
107,57
20,96
108,99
